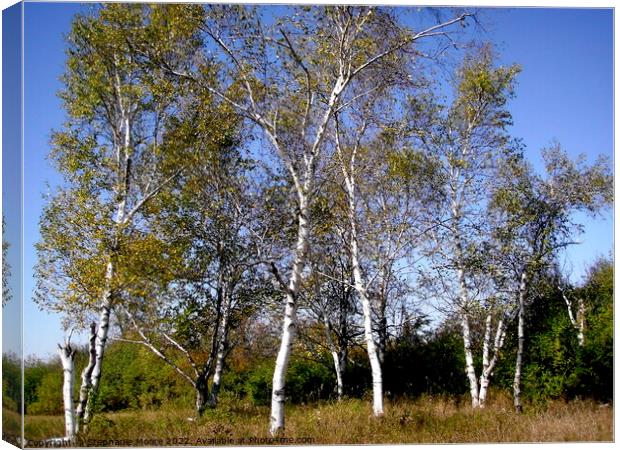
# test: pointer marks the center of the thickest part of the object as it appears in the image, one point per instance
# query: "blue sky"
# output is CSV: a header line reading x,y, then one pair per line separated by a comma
x,y
564,92
11,163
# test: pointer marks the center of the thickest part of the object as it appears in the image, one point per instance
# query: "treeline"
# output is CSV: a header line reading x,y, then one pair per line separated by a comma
x,y
417,362
267,216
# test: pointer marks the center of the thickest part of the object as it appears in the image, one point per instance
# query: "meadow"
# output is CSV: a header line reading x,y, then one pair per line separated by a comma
x,y
424,420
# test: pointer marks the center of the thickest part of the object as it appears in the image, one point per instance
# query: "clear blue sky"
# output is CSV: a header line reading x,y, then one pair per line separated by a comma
x,y
565,92
11,166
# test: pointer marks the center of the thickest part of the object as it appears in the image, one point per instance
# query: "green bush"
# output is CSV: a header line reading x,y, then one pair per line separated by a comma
x,y
11,382
306,381
259,382
49,395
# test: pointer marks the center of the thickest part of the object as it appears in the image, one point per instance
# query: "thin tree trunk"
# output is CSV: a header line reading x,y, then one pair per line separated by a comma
x,y
336,356
67,358
371,347
221,352
516,386
290,321
487,370
202,393
373,356
581,318
579,322
100,341
86,377
339,378
382,332
470,370
486,349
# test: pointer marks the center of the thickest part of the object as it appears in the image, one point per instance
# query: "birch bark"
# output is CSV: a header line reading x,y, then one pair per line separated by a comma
x,y
360,287
579,322
489,364
290,320
67,358
123,143
516,386
100,342
221,351
86,377
339,361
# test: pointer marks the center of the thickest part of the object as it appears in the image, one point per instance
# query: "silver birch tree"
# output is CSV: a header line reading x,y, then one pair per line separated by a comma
x,y
539,223
470,139
112,155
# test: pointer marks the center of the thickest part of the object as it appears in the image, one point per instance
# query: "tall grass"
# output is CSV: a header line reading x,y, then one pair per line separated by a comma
x,y
425,420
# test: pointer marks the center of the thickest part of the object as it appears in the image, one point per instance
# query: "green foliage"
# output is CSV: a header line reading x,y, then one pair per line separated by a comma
x,y
306,381
418,363
258,385
480,85
48,395
134,378
11,382
595,371
555,366
35,372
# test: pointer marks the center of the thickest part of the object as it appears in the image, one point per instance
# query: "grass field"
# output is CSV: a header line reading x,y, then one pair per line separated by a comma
x,y
425,420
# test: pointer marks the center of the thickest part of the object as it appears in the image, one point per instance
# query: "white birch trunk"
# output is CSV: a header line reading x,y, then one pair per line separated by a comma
x,y
338,367
221,352
486,349
371,348
470,370
290,320
86,377
579,322
487,370
516,386
581,326
123,160
360,287
67,358
339,372
101,340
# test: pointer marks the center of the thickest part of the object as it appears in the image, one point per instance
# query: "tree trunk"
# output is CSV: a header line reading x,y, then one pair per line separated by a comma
x,y
202,393
470,370
488,367
373,356
579,322
382,332
86,377
486,349
516,386
338,370
336,356
290,321
67,358
581,318
221,352
100,341
371,347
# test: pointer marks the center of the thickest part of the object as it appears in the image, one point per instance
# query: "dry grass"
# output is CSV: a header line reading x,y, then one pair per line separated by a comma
x,y
425,420
11,426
